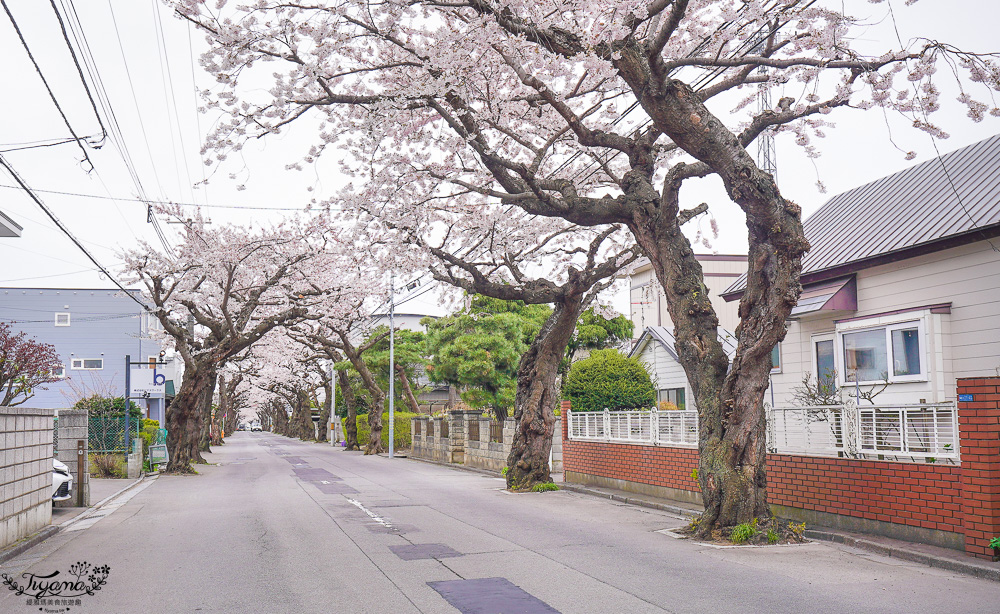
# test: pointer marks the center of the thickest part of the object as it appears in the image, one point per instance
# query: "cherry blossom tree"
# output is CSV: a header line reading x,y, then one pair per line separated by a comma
x,y
226,288
596,113
26,365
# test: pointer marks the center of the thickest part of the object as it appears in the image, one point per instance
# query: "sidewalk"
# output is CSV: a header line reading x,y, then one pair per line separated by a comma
x,y
933,556
101,492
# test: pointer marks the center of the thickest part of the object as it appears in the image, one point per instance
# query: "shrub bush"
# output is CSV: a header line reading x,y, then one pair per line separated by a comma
x,y
608,379
403,437
107,466
99,406
148,435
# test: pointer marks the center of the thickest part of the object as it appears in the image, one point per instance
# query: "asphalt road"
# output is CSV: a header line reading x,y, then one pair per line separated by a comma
x,y
278,525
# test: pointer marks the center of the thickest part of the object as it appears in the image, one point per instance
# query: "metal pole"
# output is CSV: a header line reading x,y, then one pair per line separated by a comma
x,y
333,406
392,362
128,392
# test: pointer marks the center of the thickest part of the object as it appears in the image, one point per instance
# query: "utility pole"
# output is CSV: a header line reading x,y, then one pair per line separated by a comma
x,y
392,362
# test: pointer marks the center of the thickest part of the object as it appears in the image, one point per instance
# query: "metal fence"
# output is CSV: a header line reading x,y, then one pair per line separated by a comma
x,y
677,428
926,432
496,432
107,434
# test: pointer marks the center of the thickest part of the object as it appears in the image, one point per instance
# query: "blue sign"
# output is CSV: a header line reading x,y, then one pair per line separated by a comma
x,y
965,398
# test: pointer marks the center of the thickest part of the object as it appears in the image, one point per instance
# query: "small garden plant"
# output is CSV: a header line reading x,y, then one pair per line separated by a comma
x,y
756,532
544,487
995,543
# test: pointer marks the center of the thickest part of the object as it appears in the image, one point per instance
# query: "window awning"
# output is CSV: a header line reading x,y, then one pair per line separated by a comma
x,y
833,295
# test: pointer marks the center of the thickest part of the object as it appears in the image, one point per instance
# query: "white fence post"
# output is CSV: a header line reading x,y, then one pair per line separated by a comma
x,y
607,424
654,426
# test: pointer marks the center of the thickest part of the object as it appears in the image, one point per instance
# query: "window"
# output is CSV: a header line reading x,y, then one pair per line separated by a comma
x,y
152,360
58,370
888,353
776,359
62,319
671,395
87,364
826,368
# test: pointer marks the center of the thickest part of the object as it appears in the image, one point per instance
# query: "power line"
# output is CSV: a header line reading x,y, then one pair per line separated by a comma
x,y
160,202
76,62
38,69
52,216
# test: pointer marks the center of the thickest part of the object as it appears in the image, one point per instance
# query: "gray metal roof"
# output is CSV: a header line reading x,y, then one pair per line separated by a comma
x,y
665,337
952,196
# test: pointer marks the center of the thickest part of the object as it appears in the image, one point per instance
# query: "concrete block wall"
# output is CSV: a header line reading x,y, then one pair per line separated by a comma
x,y
72,429
25,472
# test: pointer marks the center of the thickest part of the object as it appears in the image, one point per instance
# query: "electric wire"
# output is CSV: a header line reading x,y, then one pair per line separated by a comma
x,y
65,230
160,202
76,62
24,43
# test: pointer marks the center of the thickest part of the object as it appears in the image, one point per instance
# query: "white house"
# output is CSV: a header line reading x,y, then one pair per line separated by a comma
x,y
649,305
901,289
655,348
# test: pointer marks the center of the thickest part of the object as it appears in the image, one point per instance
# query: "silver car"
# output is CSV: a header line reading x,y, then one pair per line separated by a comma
x,y
62,481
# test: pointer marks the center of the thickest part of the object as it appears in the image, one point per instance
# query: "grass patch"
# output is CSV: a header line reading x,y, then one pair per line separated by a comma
x,y
544,487
756,532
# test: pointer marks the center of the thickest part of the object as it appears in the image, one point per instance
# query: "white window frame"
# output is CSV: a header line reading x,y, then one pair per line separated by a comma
x,y
82,361
62,313
813,340
888,324
781,360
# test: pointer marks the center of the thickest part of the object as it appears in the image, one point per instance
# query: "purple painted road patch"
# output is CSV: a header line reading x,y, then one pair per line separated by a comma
x,y
314,474
490,596
414,552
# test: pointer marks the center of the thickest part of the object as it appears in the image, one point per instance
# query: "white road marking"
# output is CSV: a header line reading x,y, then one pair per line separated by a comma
x,y
382,521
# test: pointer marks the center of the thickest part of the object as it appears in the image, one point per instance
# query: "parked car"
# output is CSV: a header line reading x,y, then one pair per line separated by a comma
x,y
255,426
62,481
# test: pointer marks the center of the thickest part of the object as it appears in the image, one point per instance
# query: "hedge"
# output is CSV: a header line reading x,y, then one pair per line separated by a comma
x,y
608,379
403,438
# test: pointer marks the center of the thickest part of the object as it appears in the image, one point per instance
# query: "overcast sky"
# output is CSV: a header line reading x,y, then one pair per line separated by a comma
x,y
146,60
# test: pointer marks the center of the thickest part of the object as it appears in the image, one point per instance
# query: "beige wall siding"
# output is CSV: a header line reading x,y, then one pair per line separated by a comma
x,y
964,343
665,372
649,305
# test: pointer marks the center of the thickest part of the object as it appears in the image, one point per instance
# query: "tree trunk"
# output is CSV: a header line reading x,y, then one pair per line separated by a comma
x,y
351,424
280,419
206,411
325,411
537,395
301,422
731,439
184,419
407,391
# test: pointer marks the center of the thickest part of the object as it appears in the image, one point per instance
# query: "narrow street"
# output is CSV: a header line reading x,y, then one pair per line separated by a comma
x,y
277,525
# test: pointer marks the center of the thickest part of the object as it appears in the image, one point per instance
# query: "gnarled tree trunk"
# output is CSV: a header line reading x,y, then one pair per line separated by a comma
x,y
325,411
537,395
185,418
351,401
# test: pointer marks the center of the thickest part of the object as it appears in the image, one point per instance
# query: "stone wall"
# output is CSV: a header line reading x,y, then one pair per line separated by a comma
x,y
465,444
71,428
25,472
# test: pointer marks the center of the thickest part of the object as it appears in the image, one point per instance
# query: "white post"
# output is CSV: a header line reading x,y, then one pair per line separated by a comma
x,y
392,363
654,426
607,424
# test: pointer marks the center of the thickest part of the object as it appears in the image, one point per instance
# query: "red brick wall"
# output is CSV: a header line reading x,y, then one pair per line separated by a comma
x,y
979,428
959,499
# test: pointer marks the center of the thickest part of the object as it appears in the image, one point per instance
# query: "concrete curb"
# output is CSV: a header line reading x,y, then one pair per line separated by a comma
x,y
28,542
985,572
978,570
46,532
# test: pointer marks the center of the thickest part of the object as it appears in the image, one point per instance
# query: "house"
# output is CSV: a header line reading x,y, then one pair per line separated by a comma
x,y
655,348
654,345
8,227
649,305
93,330
901,289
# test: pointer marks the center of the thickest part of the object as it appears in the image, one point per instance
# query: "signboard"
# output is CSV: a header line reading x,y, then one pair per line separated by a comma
x,y
158,455
965,398
147,382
